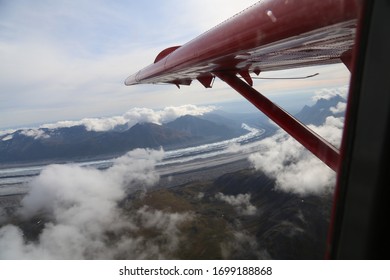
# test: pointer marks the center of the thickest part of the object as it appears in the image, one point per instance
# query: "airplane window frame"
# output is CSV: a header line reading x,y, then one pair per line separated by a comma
x,y
361,207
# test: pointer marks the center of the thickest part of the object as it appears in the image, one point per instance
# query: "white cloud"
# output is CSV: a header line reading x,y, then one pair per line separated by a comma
x,y
6,132
134,116
331,130
59,186
200,195
293,167
340,108
234,148
240,202
328,93
83,220
130,118
166,223
6,137
34,133
240,244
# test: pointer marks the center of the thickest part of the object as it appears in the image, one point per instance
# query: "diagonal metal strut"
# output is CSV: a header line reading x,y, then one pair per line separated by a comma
x,y
308,138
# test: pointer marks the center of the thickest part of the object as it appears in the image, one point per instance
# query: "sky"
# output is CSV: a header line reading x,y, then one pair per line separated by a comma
x,y
67,60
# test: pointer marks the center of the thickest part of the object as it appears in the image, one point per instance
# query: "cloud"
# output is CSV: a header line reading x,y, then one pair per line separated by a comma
x,y
233,148
6,137
82,220
240,245
293,167
66,189
35,133
331,130
328,93
130,118
134,116
200,195
340,108
166,223
241,203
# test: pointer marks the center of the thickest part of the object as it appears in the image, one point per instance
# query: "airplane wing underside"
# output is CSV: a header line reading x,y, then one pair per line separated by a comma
x,y
270,35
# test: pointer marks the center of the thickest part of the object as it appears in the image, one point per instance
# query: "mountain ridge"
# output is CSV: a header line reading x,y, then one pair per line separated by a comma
x,y
77,143
317,113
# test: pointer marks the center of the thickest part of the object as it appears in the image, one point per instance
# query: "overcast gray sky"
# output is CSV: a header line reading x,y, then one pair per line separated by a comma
x,y
67,60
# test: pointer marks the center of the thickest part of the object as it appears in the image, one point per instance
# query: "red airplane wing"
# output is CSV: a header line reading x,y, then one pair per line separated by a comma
x,y
270,35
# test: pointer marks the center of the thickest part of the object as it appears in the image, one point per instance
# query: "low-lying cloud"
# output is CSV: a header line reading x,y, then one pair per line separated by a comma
x,y
295,168
34,133
241,245
339,108
331,130
82,220
240,202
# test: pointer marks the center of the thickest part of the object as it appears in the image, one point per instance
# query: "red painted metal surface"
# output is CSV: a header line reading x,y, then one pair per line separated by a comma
x,y
309,139
270,35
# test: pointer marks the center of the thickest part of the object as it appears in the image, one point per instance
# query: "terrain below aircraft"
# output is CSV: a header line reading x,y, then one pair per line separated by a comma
x,y
285,34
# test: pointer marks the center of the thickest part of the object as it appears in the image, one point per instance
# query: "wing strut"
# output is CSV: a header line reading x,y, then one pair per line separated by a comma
x,y
308,138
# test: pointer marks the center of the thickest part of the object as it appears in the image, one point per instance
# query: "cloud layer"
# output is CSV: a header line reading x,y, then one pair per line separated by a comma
x,y
79,207
240,202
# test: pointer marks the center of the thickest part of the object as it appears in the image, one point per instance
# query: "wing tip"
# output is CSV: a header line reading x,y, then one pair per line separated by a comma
x,y
131,80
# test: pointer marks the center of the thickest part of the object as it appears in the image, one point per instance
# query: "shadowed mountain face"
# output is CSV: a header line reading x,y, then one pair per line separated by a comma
x,y
322,109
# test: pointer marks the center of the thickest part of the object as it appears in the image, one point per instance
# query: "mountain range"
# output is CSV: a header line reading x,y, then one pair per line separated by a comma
x,y
76,143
